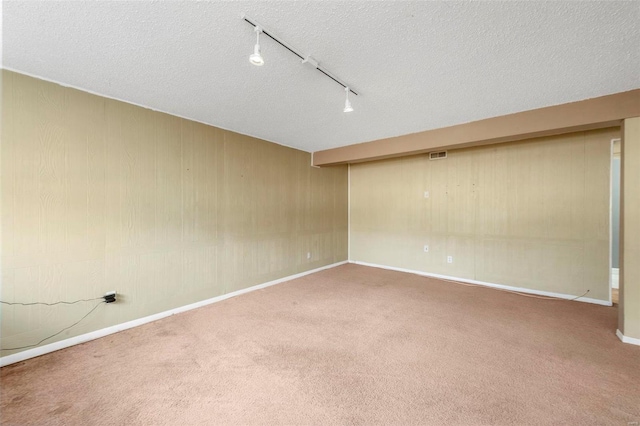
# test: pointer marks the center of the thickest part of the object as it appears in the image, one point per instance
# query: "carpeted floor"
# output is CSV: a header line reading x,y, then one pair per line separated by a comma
x,y
349,345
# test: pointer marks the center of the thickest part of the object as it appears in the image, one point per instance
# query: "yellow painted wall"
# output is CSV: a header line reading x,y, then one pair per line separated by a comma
x,y
531,214
100,195
629,312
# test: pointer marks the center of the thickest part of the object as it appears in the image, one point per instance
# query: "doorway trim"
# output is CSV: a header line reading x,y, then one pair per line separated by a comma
x,y
611,240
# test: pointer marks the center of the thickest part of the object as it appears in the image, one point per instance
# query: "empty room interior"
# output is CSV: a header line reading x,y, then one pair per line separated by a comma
x,y
346,213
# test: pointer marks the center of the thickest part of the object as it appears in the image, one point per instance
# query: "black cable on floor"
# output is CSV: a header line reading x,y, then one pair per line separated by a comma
x,y
49,304
54,335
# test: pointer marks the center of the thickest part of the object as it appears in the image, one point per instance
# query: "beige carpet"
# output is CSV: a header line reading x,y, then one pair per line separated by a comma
x,y
350,345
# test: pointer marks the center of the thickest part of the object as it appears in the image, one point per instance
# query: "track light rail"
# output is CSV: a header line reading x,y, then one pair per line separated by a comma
x,y
282,43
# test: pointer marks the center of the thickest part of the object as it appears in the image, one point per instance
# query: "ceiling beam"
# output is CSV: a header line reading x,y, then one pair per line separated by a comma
x,y
595,113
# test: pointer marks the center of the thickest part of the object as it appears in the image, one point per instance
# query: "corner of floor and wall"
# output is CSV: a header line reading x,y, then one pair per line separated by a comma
x,y
100,195
530,216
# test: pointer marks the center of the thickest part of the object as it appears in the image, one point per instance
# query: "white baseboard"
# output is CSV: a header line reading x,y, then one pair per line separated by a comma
x,y
52,347
627,339
615,278
486,284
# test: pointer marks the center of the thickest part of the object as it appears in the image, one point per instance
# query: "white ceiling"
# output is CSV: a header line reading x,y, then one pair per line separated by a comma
x,y
417,65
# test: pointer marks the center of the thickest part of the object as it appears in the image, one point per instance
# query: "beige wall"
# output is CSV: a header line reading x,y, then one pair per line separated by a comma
x,y
100,195
629,312
532,214
589,114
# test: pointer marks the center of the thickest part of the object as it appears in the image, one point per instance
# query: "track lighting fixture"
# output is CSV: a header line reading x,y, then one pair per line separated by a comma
x,y
347,104
256,58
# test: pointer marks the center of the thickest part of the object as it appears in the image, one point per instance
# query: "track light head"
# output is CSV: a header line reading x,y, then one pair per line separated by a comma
x,y
347,104
256,58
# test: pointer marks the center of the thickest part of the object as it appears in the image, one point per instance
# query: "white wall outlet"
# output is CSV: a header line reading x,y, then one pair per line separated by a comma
x,y
426,194
426,248
309,255
449,259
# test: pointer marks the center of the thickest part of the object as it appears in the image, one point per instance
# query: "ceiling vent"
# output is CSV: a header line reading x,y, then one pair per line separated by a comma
x,y
437,155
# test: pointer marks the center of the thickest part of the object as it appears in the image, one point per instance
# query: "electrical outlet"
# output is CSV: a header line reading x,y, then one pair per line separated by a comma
x,y
110,296
449,259
426,249
309,255
426,194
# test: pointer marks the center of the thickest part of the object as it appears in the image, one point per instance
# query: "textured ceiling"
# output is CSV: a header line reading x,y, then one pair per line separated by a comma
x,y
417,65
